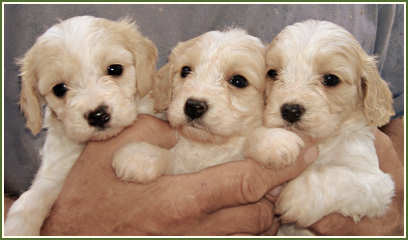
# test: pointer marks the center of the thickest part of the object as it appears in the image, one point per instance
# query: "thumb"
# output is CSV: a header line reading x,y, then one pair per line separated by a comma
x,y
240,182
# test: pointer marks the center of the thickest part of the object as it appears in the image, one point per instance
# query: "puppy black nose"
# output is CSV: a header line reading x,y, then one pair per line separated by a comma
x,y
195,108
292,112
99,117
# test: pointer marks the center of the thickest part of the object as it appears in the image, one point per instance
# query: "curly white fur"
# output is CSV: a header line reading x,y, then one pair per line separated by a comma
x,y
346,177
77,52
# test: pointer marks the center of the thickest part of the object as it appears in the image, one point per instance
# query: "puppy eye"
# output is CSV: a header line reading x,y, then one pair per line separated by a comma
x,y
60,90
330,80
185,71
238,81
272,74
115,70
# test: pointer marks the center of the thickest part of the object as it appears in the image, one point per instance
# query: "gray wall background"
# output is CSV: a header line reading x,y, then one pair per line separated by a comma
x,y
379,29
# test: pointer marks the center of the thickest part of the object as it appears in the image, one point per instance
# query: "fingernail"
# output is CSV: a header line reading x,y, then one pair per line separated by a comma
x,y
276,191
311,155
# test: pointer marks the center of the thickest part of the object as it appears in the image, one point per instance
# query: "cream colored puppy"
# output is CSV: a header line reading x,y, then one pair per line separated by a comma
x,y
212,88
94,76
322,84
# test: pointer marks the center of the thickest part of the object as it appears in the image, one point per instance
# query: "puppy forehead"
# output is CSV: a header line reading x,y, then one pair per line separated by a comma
x,y
311,39
233,40
70,29
77,46
229,37
78,33
225,52
214,43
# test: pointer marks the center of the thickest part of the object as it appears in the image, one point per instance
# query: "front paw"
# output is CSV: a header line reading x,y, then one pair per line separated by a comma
x,y
299,204
273,147
140,162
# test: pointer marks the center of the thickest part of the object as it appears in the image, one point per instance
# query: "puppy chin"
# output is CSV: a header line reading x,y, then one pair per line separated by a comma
x,y
114,129
195,130
81,132
105,134
91,134
201,135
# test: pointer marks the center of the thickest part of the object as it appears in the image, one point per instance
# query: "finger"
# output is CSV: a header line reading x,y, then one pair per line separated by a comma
x,y
241,234
276,191
388,159
238,183
248,219
159,132
395,130
146,128
273,194
336,224
333,224
308,140
273,230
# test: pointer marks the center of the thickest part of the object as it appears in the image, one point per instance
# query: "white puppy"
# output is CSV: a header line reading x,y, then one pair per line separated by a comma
x,y
94,76
212,88
323,84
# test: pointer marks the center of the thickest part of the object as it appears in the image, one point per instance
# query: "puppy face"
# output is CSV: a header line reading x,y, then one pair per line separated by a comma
x,y
214,85
90,72
319,77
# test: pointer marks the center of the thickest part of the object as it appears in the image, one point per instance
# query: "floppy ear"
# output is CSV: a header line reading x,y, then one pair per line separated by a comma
x,y
145,54
162,88
377,97
164,77
146,60
30,101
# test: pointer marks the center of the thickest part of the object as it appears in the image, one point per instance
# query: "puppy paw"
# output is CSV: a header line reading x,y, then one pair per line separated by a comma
x,y
273,147
380,192
140,162
299,204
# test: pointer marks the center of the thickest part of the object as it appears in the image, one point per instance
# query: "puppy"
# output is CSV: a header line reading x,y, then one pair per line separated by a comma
x,y
94,76
212,88
322,84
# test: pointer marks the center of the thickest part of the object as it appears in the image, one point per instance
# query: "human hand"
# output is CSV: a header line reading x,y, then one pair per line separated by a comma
x,y
221,200
389,224
395,131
